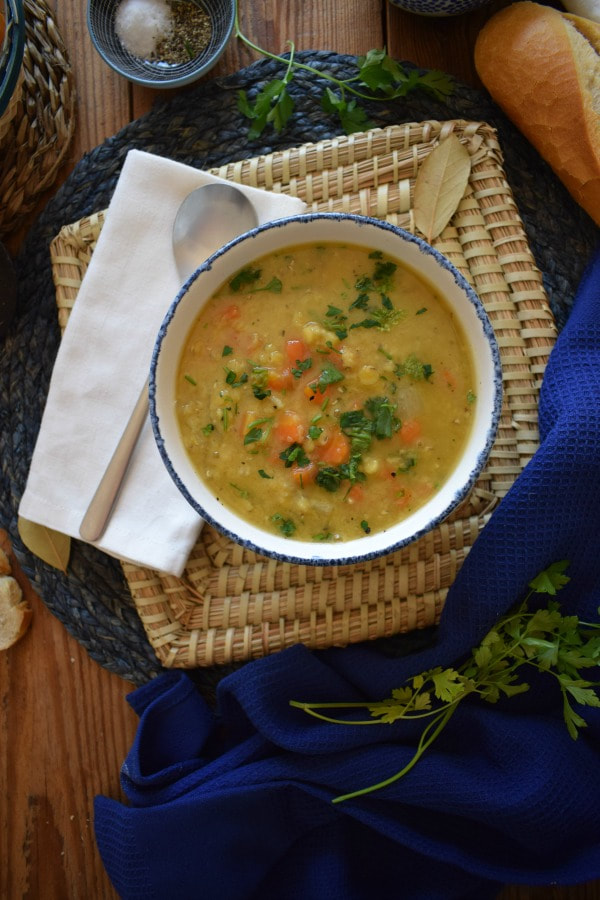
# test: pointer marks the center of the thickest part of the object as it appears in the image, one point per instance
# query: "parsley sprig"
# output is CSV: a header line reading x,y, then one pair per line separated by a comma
x,y
379,78
543,639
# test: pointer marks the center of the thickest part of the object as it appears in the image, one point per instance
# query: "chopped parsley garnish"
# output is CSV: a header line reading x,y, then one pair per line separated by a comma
x,y
420,312
255,432
241,491
335,321
232,379
385,422
414,368
208,429
259,392
302,365
274,286
377,419
471,397
331,477
286,526
365,526
384,271
382,317
329,375
314,432
191,380
361,302
227,350
244,277
264,474
259,382
407,462
294,455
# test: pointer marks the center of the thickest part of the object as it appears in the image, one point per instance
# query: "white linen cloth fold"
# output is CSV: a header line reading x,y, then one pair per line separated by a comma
x,y
102,364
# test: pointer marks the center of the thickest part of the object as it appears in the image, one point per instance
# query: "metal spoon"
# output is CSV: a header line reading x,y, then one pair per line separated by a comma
x,y
209,217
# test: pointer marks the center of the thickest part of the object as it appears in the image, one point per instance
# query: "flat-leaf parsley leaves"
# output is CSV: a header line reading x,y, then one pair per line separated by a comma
x,y
543,639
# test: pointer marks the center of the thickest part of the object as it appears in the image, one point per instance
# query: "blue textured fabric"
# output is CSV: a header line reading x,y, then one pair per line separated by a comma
x,y
237,806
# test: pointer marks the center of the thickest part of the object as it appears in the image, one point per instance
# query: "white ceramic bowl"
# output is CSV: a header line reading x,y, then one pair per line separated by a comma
x,y
309,228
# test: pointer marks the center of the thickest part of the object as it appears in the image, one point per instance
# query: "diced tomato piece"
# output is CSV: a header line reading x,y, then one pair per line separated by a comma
x,y
290,428
410,431
280,381
336,450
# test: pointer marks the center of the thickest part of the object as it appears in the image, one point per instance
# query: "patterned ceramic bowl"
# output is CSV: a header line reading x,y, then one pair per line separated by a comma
x,y
150,72
316,228
438,7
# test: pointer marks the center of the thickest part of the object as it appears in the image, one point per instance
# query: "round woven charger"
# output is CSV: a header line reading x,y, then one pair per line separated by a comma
x,y
34,143
203,128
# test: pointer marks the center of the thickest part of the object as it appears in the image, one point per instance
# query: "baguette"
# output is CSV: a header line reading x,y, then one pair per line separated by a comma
x,y
15,612
542,67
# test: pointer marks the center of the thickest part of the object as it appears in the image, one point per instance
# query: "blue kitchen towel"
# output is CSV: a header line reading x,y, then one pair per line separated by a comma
x,y
236,805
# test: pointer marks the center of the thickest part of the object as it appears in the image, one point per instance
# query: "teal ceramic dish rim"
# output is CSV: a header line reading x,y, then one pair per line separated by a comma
x,y
11,55
163,79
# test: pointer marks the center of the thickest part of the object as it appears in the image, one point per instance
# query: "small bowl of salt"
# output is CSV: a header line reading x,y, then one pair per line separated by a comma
x,y
161,43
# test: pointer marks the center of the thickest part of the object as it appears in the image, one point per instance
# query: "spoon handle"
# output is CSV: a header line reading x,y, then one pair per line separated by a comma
x,y
94,522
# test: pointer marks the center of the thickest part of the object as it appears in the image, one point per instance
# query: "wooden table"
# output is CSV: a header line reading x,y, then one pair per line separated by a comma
x,y
64,724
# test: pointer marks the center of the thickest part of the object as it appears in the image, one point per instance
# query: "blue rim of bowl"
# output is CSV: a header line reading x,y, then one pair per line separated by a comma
x,y
459,495
12,50
160,83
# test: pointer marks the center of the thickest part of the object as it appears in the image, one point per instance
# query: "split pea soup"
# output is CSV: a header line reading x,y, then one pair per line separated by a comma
x,y
325,392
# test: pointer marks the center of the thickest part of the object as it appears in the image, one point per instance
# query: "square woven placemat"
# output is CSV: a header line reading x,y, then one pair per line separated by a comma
x,y
232,604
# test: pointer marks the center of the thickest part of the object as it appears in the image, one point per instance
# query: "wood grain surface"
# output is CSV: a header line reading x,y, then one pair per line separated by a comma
x,y
65,726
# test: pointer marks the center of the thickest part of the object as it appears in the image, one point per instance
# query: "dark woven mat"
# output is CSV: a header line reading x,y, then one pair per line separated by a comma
x,y
203,128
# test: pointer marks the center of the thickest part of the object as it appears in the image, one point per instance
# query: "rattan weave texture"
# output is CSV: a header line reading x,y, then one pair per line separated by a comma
x,y
203,128
35,138
232,605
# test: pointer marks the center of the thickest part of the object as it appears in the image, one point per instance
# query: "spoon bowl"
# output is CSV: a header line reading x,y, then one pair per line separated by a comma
x,y
208,218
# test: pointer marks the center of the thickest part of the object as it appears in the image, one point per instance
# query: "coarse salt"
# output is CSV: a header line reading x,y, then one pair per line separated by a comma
x,y
141,24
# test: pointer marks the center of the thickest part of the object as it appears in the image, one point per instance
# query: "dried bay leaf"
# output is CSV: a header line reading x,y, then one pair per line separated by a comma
x,y
440,186
53,547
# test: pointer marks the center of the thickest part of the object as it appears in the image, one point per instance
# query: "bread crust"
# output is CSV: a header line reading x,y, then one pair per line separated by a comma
x,y
541,70
15,612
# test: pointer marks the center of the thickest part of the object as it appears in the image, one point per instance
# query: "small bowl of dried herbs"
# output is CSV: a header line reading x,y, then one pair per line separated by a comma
x,y
161,43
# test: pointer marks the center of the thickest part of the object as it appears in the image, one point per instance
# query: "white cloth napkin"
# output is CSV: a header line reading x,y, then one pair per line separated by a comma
x,y
103,362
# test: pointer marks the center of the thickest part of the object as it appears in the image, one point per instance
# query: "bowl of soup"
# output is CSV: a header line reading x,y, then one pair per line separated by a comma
x,y
325,389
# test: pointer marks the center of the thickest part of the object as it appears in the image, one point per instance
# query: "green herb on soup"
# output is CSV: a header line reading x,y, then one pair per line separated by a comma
x,y
350,404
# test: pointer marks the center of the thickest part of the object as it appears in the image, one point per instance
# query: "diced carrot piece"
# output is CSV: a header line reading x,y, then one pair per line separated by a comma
x,y
403,498
336,450
356,493
290,428
312,391
230,312
280,381
410,431
450,379
296,351
304,475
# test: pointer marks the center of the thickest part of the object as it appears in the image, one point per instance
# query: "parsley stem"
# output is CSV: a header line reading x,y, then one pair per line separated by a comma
x,y
428,736
292,64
